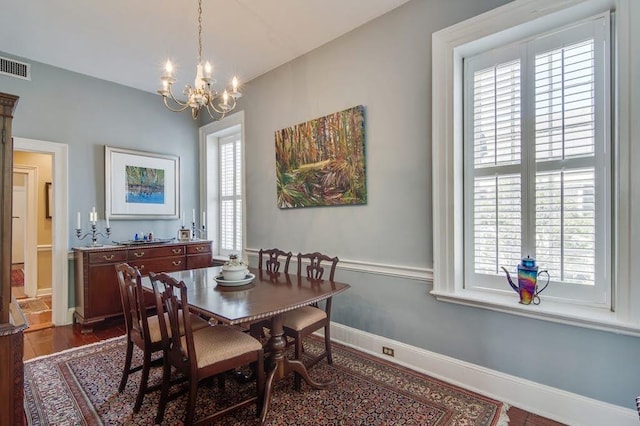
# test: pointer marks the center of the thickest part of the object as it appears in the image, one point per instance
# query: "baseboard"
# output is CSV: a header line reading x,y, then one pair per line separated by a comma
x,y
546,401
41,292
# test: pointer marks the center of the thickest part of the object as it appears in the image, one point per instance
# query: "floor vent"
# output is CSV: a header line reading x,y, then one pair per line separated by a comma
x,y
15,68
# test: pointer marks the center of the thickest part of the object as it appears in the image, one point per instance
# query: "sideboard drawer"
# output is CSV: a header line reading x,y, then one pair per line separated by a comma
x,y
162,264
199,248
108,257
145,253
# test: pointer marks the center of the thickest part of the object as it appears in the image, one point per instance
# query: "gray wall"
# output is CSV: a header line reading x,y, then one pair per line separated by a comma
x,y
386,66
86,114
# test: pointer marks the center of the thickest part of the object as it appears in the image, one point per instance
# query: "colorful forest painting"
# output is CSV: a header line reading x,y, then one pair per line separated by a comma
x,y
144,185
321,162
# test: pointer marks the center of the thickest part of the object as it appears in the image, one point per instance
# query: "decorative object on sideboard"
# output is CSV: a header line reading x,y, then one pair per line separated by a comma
x,y
93,221
527,287
202,94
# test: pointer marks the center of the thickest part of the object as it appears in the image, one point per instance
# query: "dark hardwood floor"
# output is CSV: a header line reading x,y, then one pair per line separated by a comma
x,y
56,339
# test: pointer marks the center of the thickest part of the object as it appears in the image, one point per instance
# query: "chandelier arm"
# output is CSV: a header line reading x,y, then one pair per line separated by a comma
x,y
231,104
215,114
183,107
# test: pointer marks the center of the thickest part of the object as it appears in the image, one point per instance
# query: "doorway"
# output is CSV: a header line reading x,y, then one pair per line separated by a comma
x,y
24,256
58,247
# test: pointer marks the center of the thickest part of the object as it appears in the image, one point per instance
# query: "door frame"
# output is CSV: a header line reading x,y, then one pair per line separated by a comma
x,y
61,314
31,230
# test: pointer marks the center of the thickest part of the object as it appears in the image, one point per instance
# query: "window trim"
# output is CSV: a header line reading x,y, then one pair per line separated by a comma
x,y
513,21
209,176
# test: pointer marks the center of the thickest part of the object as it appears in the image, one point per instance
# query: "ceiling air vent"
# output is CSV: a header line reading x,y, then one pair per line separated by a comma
x,y
15,68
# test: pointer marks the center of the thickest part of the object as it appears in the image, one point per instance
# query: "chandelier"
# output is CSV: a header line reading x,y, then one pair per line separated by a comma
x,y
202,94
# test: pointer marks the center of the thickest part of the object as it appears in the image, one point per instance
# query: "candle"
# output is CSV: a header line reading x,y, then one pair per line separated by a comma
x,y
203,219
193,216
107,218
182,217
79,222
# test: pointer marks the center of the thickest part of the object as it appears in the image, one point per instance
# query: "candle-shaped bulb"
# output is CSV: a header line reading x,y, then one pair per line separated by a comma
x,y
225,98
207,69
168,68
234,84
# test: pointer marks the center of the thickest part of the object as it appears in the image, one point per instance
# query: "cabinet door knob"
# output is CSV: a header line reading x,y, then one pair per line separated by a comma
x,y
138,254
105,257
177,262
176,251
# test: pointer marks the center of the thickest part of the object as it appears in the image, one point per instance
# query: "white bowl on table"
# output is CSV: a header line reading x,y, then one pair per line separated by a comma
x,y
234,272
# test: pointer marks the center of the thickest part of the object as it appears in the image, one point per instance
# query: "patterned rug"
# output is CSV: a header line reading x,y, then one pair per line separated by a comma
x,y
17,277
79,387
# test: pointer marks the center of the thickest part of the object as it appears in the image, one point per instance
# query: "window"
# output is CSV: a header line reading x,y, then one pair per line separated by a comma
x,y
230,193
222,183
545,168
536,162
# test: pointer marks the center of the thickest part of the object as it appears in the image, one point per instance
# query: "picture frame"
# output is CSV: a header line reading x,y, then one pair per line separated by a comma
x,y
48,200
321,162
184,234
141,185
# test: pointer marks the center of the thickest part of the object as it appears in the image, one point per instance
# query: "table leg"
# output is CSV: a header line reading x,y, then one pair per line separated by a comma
x,y
280,365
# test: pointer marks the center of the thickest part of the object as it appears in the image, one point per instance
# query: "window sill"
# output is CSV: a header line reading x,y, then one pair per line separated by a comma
x,y
548,310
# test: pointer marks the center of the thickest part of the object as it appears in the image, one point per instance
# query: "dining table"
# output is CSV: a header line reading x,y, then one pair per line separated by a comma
x,y
266,295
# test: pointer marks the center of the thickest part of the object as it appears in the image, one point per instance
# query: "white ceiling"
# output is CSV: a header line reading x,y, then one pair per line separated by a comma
x,y
128,41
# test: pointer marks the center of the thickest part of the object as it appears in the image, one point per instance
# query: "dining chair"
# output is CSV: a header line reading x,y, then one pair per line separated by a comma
x,y
303,321
201,353
269,260
143,330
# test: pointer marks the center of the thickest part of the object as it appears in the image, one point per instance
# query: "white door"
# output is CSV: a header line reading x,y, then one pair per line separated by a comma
x,y
19,215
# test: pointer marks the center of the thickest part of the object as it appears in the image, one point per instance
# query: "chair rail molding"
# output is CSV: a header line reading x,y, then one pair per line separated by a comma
x,y
397,271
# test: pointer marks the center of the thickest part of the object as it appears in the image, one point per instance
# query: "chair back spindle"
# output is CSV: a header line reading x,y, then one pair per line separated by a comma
x,y
272,262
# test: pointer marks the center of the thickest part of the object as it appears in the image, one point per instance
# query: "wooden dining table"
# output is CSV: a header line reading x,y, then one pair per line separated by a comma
x,y
267,296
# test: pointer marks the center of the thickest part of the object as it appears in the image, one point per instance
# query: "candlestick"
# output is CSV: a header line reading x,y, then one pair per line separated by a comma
x,y
93,233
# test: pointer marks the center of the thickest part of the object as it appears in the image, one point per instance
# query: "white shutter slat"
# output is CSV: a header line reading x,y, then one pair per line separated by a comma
x,y
496,115
497,222
565,102
565,225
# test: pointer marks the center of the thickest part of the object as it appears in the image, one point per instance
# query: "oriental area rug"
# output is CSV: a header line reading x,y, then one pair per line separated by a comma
x,y
80,387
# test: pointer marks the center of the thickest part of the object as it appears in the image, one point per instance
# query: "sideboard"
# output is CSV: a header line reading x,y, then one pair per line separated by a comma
x,y
96,283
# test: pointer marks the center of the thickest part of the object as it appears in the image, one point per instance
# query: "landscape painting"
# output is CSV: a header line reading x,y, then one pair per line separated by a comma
x,y
141,185
144,185
322,162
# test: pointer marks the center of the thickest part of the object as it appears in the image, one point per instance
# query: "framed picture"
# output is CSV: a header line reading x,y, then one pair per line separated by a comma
x,y
48,198
141,185
184,234
321,162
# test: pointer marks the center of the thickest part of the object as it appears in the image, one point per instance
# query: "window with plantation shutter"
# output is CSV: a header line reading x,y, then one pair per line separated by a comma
x,y
537,165
230,193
